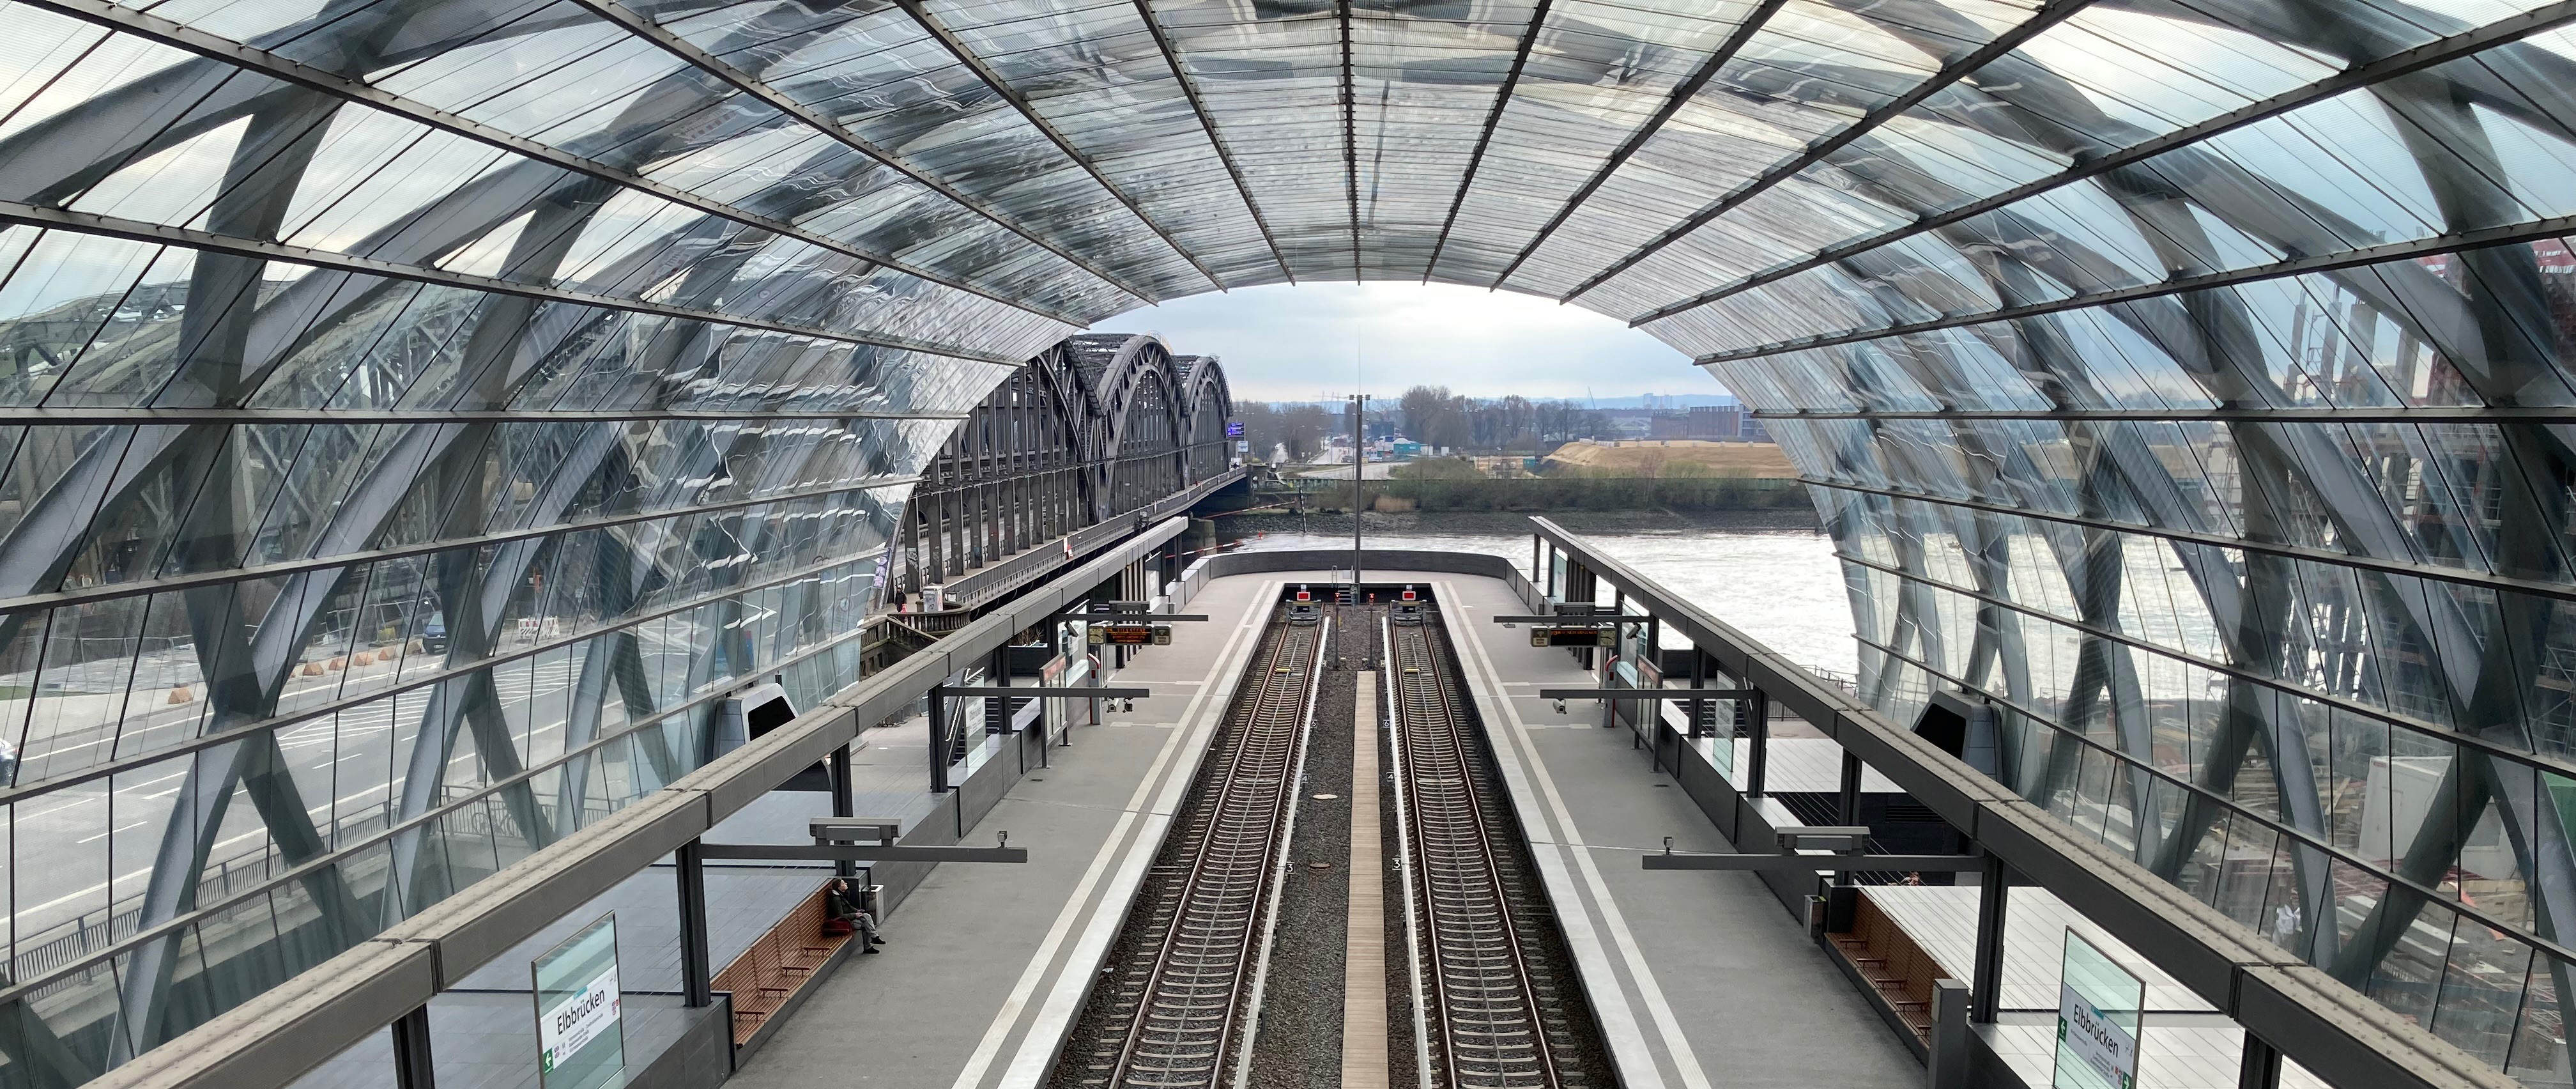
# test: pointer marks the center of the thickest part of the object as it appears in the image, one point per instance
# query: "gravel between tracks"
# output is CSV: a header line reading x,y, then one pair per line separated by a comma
x,y
1300,1042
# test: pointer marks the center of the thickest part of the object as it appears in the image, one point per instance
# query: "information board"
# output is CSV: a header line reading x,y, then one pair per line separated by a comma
x,y
2098,1008
1564,636
581,1043
1131,635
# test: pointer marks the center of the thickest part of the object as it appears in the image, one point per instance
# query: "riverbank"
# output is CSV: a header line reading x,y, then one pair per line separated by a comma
x,y
1551,493
1796,519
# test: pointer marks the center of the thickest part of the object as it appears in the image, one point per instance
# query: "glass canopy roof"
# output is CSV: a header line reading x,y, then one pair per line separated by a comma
x,y
2189,377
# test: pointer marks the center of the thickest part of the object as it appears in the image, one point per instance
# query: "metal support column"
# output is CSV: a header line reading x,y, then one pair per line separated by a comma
x,y
697,975
412,1067
1697,710
1850,806
1988,974
1757,724
2261,1068
938,738
845,801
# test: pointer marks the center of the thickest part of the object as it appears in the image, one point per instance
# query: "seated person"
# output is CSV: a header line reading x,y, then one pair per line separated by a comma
x,y
840,907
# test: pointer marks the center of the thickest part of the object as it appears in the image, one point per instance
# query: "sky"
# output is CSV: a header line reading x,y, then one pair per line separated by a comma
x,y
1295,343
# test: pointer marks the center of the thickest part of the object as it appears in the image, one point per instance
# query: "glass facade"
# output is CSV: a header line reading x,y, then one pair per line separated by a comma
x,y
413,411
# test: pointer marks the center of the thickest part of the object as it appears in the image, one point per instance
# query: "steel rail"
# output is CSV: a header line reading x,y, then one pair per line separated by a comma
x,y
1174,1007
1495,1026
1405,868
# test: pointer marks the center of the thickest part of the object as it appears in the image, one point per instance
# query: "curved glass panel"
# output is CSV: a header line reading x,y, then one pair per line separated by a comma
x,y
412,410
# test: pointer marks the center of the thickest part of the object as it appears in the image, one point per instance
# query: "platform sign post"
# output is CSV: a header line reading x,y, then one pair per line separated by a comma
x,y
581,1040
2099,1005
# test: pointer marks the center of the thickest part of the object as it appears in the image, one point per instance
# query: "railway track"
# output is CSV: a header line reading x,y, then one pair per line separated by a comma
x,y
1495,1012
1176,999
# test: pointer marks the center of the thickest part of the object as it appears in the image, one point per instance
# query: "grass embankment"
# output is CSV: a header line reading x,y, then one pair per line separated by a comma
x,y
1659,458
1450,485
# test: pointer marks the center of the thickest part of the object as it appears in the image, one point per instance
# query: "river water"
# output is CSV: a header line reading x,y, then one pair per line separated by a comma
x,y
1776,582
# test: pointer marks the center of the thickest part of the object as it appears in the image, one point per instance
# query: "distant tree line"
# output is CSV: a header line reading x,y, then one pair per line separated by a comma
x,y
1436,417
1301,428
1430,415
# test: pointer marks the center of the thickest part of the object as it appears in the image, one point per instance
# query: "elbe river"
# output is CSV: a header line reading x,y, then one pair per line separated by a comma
x,y
1769,573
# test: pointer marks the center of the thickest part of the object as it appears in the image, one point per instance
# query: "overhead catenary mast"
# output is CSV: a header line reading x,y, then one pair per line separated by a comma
x,y
1359,458
1359,471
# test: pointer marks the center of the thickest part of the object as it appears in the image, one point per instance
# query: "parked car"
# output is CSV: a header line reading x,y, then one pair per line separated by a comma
x,y
433,635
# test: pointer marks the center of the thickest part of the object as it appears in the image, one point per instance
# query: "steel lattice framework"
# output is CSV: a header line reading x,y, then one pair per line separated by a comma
x,y
2191,379
1095,427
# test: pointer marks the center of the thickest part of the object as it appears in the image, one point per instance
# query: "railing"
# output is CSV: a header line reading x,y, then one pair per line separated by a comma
x,y
68,941
2335,1032
993,580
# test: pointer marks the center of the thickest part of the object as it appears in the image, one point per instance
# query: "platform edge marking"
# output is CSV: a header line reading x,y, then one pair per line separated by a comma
x,y
1031,1063
1630,1055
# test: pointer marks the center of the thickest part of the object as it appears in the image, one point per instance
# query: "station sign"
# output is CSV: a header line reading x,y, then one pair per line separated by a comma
x,y
581,1043
1131,635
2099,1006
1570,635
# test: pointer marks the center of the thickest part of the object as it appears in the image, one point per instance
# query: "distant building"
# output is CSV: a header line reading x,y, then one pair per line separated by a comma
x,y
1718,423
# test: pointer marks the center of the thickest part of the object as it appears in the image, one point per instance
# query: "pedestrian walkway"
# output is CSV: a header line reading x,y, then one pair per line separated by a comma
x,y
1699,979
986,966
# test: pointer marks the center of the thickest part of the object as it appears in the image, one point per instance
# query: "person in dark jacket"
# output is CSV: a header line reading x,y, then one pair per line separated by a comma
x,y
839,905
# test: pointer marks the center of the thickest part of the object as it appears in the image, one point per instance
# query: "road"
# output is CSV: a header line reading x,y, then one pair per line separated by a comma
x,y
1377,470
86,849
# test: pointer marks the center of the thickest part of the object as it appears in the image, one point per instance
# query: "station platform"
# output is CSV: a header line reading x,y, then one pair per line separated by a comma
x,y
986,966
1600,799
1698,978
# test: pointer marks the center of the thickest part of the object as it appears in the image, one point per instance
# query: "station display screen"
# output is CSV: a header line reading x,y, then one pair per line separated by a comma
x,y
1562,635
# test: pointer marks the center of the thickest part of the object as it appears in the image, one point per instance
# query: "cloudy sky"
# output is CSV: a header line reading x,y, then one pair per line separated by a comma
x,y
1284,343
